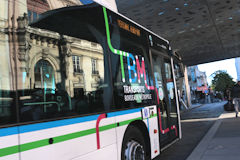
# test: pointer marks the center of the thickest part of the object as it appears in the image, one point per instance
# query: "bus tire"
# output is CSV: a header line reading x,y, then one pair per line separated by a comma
x,y
133,145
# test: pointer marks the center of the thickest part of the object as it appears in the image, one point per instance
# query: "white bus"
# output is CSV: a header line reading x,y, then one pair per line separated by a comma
x,y
86,83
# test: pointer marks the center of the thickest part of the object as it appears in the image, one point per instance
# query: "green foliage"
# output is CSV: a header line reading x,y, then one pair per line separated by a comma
x,y
221,81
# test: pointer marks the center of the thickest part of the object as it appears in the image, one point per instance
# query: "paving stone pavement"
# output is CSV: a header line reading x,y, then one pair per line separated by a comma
x,y
222,142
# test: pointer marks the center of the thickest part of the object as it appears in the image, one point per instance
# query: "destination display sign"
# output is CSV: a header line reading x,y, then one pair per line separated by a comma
x,y
128,28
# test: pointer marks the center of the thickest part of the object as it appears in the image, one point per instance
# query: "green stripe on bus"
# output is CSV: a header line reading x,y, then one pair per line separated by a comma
x,y
33,145
155,115
122,68
74,135
110,44
44,142
123,123
9,151
107,127
58,139
107,31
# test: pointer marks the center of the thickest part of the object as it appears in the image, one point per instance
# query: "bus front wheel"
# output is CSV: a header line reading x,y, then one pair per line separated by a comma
x,y
133,146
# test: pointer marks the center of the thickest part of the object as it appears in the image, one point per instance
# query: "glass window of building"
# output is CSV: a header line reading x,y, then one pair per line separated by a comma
x,y
94,66
32,16
44,75
29,16
35,16
77,64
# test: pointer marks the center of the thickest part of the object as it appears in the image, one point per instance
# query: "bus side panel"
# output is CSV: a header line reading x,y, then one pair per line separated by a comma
x,y
64,150
108,137
122,128
106,153
10,157
153,131
150,123
68,141
9,144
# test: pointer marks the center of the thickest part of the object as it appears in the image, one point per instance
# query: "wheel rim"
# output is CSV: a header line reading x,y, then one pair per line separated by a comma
x,y
134,151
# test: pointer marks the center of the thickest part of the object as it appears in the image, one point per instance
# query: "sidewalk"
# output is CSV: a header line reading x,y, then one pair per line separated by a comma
x,y
196,105
193,106
222,141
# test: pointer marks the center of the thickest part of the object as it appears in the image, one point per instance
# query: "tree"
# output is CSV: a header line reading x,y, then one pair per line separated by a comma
x,y
222,81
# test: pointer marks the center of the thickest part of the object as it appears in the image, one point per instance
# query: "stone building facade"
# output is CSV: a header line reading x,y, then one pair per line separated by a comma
x,y
43,59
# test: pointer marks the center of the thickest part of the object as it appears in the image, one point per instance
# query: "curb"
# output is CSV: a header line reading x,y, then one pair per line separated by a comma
x,y
189,109
202,146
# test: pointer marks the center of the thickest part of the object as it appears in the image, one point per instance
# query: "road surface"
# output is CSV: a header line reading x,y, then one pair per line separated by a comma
x,y
195,124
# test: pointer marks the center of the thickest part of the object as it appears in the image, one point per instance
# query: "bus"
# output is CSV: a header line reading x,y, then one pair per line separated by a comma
x,y
84,83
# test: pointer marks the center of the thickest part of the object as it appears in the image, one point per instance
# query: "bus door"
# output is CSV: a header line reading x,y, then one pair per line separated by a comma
x,y
171,102
165,98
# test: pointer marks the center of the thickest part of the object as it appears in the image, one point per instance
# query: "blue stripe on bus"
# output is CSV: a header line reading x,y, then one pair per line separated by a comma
x,y
119,113
8,131
52,124
59,123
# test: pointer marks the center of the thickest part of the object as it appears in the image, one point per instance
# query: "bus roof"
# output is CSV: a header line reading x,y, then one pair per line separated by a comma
x,y
52,12
135,23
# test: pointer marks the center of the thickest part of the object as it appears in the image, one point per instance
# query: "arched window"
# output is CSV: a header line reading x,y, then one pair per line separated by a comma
x,y
44,75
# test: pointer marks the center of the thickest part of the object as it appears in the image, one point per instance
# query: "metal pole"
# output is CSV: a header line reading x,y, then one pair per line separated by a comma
x,y
187,87
176,95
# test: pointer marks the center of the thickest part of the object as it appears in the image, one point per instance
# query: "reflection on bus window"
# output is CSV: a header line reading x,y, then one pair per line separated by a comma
x,y
178,71
44,75
132,80
7,107
171,93
63,76
157,68
7,87
170,85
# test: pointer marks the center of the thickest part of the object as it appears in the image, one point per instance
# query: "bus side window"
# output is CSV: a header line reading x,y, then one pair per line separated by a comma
x,y
70,79
7,107
132,79
7,91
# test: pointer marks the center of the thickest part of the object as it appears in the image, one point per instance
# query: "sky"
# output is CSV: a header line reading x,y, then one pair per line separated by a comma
x,y
227,65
